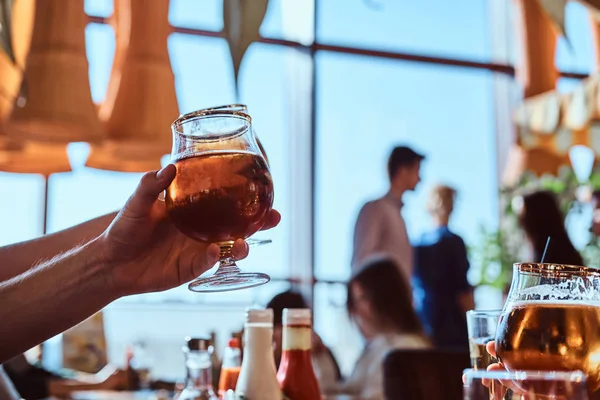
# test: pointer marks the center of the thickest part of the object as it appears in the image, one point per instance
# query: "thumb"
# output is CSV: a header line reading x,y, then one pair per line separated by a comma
x,y
150,186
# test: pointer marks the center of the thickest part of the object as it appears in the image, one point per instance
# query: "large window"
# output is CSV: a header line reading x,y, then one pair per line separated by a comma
x,y
424,106
333,87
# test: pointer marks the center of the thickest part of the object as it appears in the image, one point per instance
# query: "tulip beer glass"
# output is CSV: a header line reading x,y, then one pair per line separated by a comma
x,y
223,189
551,320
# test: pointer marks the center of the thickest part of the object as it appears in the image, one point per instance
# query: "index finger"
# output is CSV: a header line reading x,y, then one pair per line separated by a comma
x,y
272,220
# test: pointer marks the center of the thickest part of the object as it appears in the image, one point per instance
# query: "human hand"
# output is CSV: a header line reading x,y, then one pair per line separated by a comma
x,y
497,391
531,386
147,253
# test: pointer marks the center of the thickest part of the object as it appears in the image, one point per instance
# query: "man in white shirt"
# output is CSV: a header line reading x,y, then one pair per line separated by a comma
x,y
380,227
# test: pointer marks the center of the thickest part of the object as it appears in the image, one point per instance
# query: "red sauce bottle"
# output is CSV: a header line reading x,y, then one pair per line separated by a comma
x,y
296,374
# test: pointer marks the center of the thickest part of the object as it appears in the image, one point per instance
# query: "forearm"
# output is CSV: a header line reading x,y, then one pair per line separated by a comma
x,y
52,297
18,258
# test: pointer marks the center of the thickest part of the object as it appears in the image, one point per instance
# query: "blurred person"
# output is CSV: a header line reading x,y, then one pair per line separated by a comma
x,y
440,275
540,217
141,251
380,303
325,365
35,383
380,227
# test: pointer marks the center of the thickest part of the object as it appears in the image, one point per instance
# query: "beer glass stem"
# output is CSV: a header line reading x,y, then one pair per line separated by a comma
x,y
228,275
227,263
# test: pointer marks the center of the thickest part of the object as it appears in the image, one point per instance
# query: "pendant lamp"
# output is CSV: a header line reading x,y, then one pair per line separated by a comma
x,y
141,102
59,107
17,155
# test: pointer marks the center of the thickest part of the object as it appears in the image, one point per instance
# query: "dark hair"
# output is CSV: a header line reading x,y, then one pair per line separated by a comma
x,y
389,294
402,156
596,194
287,299
542,218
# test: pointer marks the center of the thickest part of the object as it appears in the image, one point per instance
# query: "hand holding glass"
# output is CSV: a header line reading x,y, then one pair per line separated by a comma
x,y
223,189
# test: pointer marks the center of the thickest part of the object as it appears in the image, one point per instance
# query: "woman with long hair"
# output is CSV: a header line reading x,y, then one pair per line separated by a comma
x,y
541,218
380,303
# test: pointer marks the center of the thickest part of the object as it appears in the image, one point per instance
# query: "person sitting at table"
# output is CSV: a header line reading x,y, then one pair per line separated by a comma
x,y
326,367
540,218
380,303
33,382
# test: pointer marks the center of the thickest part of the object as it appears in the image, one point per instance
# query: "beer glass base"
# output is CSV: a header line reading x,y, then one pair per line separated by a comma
x,y
228,282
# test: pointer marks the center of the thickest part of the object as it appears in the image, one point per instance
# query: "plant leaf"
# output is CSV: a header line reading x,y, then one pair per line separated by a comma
x,y
241,26
6,29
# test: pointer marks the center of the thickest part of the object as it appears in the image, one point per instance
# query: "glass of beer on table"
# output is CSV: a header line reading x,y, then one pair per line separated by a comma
x,y
551,321
481,328
223,189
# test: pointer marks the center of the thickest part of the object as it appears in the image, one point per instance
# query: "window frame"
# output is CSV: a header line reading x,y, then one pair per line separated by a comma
x,y
302,275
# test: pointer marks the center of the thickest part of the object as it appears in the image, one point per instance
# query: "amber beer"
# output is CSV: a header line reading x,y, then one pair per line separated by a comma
x,y
551,336
480,358
218,197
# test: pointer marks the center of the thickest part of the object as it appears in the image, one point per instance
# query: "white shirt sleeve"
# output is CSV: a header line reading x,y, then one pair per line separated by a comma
x,y
367,232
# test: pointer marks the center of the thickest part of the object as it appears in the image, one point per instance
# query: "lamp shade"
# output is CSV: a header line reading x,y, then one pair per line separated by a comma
x,y
536,71
59,105
141,102
17,155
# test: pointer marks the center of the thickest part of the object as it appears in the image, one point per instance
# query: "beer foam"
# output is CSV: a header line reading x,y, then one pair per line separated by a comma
x,y
575,289
550,303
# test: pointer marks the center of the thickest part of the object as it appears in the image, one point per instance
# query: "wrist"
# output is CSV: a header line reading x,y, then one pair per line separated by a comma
x,y
103,266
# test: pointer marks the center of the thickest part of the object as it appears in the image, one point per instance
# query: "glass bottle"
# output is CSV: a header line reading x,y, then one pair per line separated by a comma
x,y
230,370
198,381
257,380
296,373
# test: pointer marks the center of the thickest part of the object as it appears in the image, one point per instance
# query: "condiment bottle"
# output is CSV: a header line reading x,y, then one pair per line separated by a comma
x,y
296,374
257,380
230,370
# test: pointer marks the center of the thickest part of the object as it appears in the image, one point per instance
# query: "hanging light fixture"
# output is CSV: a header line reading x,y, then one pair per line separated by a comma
x,y
141,102
17,155
58,107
